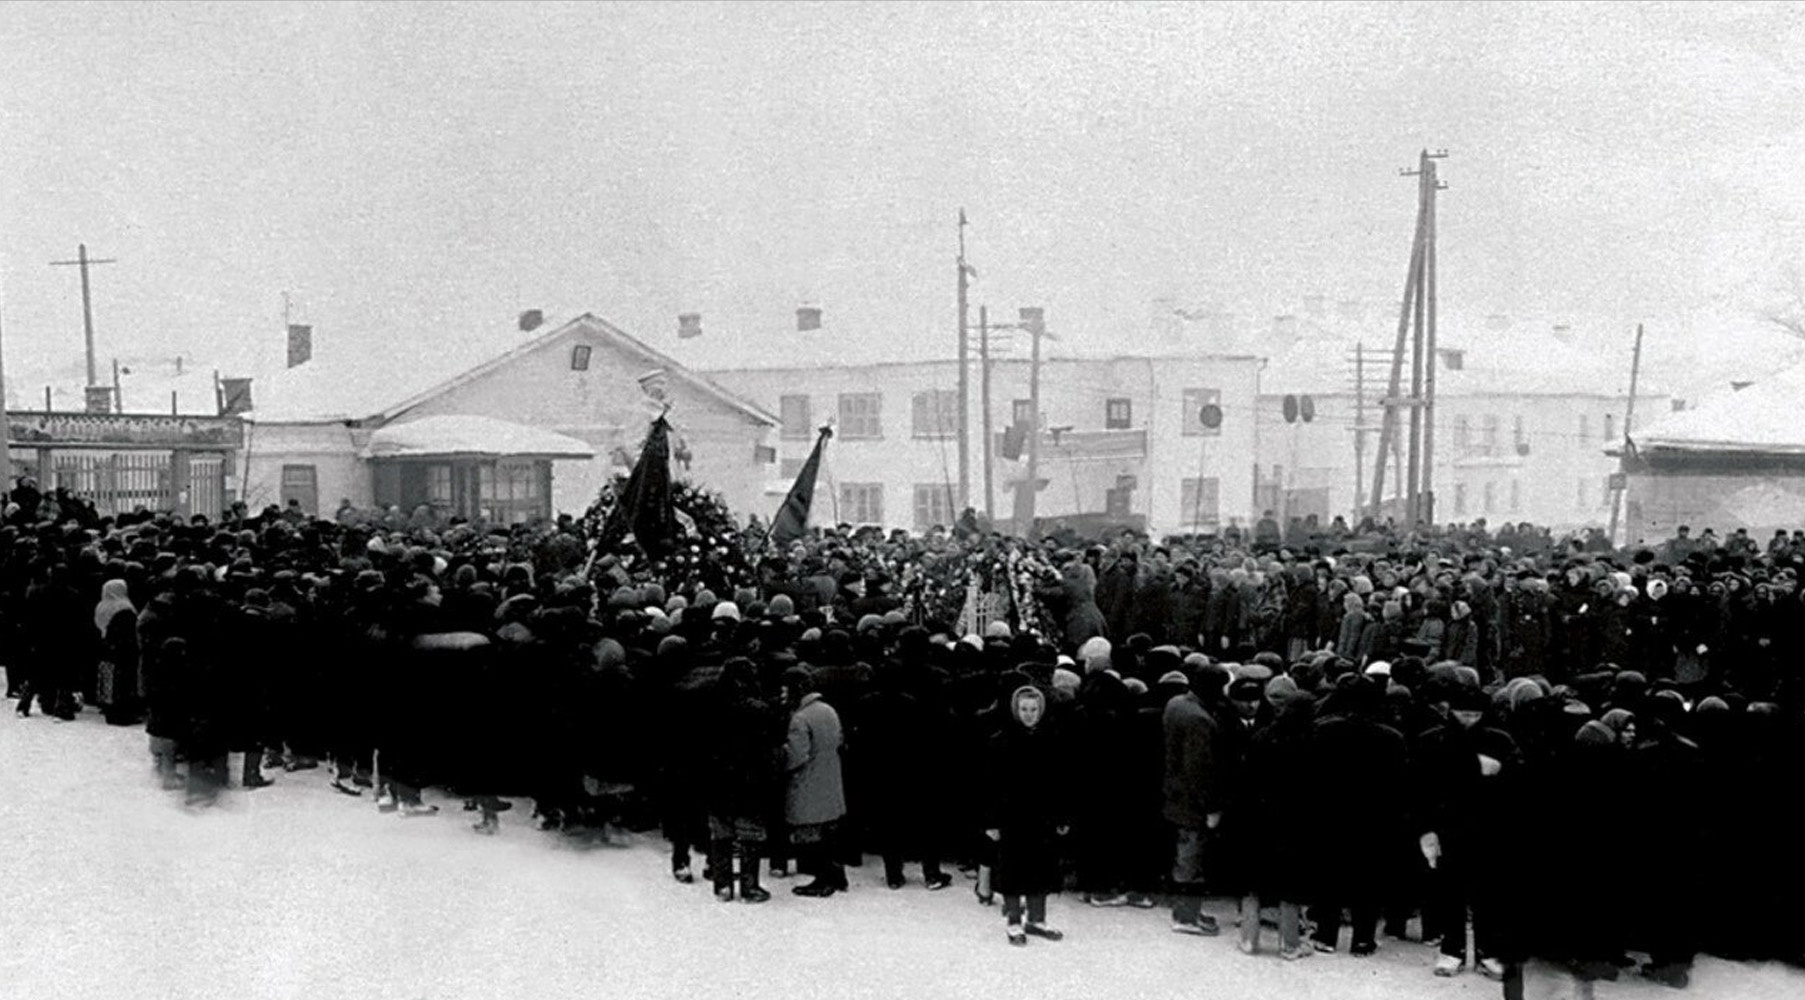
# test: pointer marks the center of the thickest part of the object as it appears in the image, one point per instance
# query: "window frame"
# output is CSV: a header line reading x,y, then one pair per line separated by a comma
x,y
802,430
1118,413
860,426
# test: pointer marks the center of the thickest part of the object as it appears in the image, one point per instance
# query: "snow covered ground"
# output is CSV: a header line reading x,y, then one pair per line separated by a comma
x,y
114,890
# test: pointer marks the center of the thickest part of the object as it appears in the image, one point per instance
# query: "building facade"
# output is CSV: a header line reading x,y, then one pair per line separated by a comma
x,y
1121,440
315,431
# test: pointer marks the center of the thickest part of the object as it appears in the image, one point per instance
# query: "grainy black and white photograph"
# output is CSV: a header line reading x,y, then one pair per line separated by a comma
x,y
786,500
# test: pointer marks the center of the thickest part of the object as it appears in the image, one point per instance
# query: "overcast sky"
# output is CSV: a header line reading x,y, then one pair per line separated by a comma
x,y
414,174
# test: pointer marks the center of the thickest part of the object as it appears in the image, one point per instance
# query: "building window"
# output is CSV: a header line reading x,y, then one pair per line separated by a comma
x,y
301,483
1463,433
764,454
861,415
1022,414
1199,507
1117,502
1610,428
1488,440
1516,495
1118,414
1192,418
1460,499
579,358
795,414
438,485
933,505
1491,497
934,414
862,503
1453,360
1585,428
791,468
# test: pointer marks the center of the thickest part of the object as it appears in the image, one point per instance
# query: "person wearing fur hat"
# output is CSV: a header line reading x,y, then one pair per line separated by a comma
x,y
1355,639
900,723
1025,814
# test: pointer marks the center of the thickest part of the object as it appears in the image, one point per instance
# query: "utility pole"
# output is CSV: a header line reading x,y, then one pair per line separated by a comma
x,y
1416,323
1623,455
1359,428
1032,320
83,261
990,496
965,275
6,431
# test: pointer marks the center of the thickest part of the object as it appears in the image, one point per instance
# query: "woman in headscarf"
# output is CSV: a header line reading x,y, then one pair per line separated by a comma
x,y
1026,814
116,620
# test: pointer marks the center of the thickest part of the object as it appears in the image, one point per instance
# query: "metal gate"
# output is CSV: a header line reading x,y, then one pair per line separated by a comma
x,y
207,485
116,483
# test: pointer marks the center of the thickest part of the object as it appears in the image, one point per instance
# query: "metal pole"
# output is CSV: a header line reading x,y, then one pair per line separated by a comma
x,y
1623,455
118,396
990,496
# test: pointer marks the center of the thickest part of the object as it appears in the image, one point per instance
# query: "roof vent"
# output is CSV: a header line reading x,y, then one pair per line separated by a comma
x,y
808,318
531,320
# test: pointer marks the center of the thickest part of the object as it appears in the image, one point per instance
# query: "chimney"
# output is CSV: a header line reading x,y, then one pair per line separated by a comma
x,y
689,325
1316,306
1739,386
1166,321
1284,329
531,320
235,396
1497,321
100,399
300,344
1563,333
178,364
808,318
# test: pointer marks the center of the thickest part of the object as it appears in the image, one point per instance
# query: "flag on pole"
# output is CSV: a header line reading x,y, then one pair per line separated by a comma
x,y
644,506
792,518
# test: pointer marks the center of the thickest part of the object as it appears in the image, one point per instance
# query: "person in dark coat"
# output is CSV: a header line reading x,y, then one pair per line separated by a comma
x,y
158,682
1268,824
746,739
1102,741
682,759
58,628
1460,768
899,736
254,638
1361,781
1026,814
1195,789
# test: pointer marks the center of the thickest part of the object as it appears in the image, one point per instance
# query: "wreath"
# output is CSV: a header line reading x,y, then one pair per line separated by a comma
x,y
708,551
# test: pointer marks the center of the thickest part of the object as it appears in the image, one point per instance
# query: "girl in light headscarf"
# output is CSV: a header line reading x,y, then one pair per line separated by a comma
x,y
116,623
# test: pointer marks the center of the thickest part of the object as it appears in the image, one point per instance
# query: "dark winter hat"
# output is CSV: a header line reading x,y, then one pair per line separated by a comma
x,y
782,606
1595,734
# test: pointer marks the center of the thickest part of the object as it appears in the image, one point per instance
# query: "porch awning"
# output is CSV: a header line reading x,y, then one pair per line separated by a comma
x,y
471,437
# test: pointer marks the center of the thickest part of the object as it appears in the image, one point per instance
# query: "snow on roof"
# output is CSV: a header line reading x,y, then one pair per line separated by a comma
x,y
438,437
1762,417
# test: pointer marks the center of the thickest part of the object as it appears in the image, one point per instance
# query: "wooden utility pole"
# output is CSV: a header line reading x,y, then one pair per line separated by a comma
x,y
1623,454
990,496
1416,330
1032,320
83,261
1359,428
965,274
6,430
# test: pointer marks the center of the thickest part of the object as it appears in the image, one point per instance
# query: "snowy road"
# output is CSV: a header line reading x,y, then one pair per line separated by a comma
x,y
113,890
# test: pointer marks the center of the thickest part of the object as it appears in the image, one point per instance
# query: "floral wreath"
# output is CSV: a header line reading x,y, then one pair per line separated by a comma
x,y
708,552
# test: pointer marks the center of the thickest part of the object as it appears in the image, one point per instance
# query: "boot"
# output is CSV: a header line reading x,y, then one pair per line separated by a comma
x,y
750,890
253,773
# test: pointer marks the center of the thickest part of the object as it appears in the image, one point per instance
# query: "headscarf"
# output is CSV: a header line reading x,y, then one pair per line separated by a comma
x,y
113,600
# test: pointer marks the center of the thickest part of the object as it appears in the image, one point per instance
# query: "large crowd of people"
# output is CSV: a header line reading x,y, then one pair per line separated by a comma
x,y
1573,752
